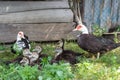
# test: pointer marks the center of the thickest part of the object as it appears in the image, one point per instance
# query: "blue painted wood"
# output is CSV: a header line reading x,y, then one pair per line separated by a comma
x,y
97,10
114,12
88,13
105,13
105,20
119,14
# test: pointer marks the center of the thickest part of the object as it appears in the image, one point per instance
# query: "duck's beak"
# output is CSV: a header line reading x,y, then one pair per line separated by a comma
x,y
21,34
74,29
23,37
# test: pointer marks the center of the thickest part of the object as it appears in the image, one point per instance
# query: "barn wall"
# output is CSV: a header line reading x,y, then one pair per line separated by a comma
x,y
36,32
41,20
23,6
105,13
38,16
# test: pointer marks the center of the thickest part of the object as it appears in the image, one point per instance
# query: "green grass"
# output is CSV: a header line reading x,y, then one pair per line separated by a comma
x,y
2,47
105,68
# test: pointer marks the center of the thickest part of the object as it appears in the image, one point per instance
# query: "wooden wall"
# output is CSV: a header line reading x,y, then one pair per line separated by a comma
x,y
105,13
40,20
35,17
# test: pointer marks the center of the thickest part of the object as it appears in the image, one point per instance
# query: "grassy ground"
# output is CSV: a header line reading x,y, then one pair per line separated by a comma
x,y
105,68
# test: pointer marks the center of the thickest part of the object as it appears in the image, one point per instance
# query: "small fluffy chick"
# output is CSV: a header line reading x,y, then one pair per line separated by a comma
x,y
37,49
25,61
27,53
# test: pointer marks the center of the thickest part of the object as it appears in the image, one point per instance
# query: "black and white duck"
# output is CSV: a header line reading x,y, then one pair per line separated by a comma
x,y
21,43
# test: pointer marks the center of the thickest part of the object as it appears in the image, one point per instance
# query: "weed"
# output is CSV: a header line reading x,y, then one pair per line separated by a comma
x,y
118,28
60,71
17,72
116,37
97,31
2,47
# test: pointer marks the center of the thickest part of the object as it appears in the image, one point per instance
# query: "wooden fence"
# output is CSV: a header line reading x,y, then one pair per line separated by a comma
x,y
105,13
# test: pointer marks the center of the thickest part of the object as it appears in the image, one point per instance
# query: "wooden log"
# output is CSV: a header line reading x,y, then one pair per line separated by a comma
x,y
115,12
39,16
36,32
88,13
112,36
20,6
106,15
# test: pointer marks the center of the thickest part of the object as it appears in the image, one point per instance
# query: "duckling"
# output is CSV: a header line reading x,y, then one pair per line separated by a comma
x,y
66,55
37,49
35,54
32,56
27,53
25,61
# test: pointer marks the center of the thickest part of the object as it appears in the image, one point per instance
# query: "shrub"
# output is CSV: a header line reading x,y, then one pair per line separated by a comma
x,y
56,72
97,31
17,72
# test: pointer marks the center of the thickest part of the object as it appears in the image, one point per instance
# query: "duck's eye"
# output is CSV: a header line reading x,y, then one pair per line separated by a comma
x,y
78,27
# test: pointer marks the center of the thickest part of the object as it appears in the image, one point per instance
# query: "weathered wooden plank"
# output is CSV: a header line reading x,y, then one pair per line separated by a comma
x,y
112,36
97,10
106,14
17,6
119,15
88,13
36,32
115,12
39,16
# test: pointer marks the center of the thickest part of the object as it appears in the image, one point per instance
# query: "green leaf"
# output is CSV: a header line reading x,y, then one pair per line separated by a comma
x,y
60,73
40,78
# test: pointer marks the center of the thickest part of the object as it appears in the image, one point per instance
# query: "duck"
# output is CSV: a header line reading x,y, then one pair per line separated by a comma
x,y
93,44
25,61
21,43
65,55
